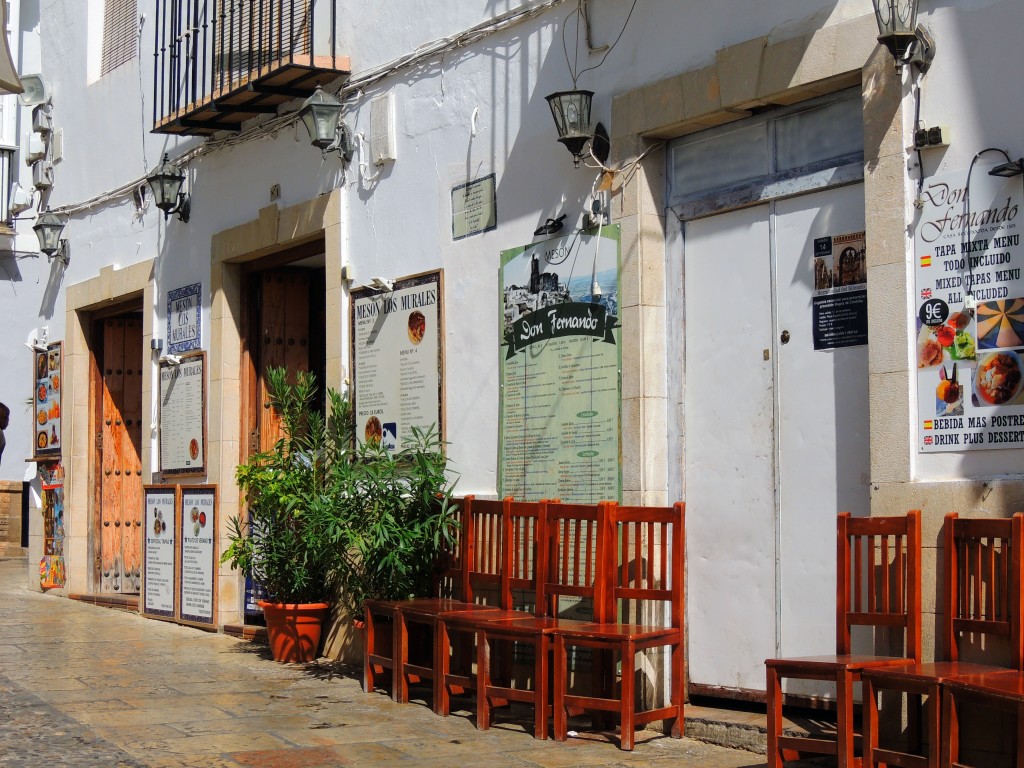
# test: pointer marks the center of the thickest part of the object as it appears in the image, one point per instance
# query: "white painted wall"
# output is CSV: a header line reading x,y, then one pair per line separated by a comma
x,y
399,224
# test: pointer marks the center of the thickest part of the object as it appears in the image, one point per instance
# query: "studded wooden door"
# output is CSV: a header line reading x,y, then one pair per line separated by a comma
x,y
284,313
120,445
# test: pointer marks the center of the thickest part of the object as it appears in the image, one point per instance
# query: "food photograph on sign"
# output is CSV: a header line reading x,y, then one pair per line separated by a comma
x,y
46,397
970,319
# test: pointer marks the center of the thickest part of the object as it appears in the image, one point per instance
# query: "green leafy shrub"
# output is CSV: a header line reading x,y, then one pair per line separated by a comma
x,y
333,520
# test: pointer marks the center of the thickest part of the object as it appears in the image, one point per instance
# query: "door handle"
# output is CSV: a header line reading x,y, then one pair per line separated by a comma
x,y
784,338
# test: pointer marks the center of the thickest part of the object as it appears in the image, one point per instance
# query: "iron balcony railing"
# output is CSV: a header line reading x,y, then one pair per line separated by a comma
x,y
213,52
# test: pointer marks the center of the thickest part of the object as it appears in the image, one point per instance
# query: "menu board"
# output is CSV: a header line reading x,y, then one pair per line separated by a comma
x,y
197,551
839,305
969,326
46,390
183,416
397,360
559,425
159,553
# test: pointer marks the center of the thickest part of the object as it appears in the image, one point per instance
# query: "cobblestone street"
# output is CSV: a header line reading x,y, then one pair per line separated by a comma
x,y
87,686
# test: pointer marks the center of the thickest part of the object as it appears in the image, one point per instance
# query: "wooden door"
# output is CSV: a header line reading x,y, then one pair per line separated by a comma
x,y
283,308
119,460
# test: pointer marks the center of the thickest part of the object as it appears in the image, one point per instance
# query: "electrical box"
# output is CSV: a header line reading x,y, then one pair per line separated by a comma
x,y
36,148
41,118
382,128
57,145
929,138
42,175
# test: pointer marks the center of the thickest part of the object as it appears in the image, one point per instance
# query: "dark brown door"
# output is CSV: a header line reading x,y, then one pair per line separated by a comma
x,y
287,331
119,447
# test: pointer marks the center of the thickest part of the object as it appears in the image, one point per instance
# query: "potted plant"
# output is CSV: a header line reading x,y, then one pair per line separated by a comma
x,y
288,540
335,521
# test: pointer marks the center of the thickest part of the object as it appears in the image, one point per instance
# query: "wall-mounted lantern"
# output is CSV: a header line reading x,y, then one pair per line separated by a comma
x,y
48,228
900,33
165,181
321,114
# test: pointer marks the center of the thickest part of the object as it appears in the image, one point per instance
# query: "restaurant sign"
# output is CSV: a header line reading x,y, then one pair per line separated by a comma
x,y
969,296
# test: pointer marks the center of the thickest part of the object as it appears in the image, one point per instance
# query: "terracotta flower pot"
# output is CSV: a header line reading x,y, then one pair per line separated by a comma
x,y
293,629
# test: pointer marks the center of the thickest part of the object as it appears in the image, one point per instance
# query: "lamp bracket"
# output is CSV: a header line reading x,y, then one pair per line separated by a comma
x,y
922,52
182,208
343,143
61,254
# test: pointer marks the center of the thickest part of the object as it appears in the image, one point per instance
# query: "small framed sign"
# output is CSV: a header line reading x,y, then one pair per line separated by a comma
x,y
159,560
197,552
184,318
183,416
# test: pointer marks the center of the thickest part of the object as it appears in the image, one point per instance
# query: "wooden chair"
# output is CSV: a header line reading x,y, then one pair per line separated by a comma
x,y
997,690
879,586
380,645
480,576
573,548
643,570
981,598
521,525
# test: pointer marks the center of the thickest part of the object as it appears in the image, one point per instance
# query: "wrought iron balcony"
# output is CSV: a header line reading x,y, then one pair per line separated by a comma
x,y
219,63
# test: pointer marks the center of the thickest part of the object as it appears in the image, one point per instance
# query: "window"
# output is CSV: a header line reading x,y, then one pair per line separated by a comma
x,y
120,33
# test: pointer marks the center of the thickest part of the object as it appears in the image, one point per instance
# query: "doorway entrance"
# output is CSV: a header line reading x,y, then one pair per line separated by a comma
x,y
286,324
117,411
774,413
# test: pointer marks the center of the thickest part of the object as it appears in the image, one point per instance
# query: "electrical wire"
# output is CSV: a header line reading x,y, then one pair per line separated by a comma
x,y
353,88
965,244
574,70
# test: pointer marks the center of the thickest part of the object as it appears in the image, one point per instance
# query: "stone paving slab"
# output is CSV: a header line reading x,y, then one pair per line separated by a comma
x,y
83,686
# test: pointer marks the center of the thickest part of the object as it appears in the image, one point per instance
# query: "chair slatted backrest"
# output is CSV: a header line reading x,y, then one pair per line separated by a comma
x,y
879,577
523,534
983,581
448,577
483,525
644,561
573,554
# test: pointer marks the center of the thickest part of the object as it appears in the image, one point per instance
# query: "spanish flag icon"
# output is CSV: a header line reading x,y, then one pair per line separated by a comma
x,y
926,261
928,424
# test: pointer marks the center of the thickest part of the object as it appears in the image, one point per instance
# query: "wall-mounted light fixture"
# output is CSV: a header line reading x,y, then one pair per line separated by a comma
x,y
48,228
1008,169
165,181
571,112
900,33
321,114
382,284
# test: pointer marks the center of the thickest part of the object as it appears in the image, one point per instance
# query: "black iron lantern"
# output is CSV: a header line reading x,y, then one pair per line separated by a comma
x,y
48,228
899,33
571,111
321,113
165,181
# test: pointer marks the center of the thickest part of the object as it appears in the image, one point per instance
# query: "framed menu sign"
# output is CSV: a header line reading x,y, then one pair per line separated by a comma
x,y
158,556
197,550
46,389
397,360
183,416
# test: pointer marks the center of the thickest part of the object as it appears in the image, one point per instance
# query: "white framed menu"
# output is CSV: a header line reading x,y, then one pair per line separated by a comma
x,y
183,416
159,553
197,553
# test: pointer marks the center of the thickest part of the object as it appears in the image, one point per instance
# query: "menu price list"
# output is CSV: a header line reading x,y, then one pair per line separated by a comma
x,y
159,553
197,555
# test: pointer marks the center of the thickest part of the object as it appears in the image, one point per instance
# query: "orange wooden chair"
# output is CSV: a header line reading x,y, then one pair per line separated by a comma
x,y
573,548
521,525
384,640
879,586
981,598
643,566
479,590
996,690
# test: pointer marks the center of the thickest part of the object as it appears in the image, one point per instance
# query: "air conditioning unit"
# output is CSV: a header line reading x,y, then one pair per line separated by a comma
x,y
42,175
36,148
